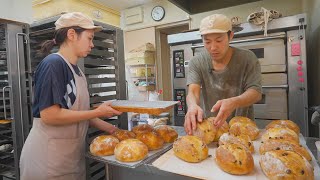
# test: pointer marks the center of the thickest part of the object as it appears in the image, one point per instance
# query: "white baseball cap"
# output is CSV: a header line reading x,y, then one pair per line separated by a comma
x,y
76,19
216,23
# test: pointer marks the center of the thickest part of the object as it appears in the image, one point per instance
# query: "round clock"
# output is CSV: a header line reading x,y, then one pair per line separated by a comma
x,y
157,13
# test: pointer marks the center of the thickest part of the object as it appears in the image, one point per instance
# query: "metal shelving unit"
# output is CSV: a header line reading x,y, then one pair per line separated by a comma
x,y
19,43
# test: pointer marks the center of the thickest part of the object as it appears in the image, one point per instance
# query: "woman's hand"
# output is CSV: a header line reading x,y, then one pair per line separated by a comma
x,y
105,110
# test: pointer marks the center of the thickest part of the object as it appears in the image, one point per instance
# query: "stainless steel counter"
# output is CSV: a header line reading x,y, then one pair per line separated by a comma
x,y
147,171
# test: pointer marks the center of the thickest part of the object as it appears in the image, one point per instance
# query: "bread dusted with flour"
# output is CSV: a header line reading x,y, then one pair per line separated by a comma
x,y
234,159
284,124
130,150
244,140
280,133
280,144
103,145
281,164
190,149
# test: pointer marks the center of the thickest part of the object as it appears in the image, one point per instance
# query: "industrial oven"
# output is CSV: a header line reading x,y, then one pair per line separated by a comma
x,y
19,43
282,56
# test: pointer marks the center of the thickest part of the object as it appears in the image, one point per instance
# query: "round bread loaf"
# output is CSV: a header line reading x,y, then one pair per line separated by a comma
x,y
142,128
151,139
167,133
246,128
123,134
241,139
234,159
130,150
280,133
205,130
281,164
280,144
284,124
103,145
240,119
190,149
223,129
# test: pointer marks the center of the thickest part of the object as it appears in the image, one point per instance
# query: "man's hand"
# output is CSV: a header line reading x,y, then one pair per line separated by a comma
x,y
224,108
194,114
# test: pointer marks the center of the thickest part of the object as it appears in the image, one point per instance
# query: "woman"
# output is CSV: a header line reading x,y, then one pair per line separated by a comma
x,y
55,146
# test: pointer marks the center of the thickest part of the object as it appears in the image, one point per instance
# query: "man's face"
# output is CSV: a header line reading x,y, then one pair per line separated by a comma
x,y
217,44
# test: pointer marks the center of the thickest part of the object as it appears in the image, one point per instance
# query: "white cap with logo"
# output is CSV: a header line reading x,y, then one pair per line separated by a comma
x,y
216,23
76,19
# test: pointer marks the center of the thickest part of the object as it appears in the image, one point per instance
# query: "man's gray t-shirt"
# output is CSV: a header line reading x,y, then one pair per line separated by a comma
x,y
242,72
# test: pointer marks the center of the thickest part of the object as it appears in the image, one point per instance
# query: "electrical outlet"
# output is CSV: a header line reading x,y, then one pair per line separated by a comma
x,y
295,49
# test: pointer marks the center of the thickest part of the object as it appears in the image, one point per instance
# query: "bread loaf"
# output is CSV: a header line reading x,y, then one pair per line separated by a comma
x,y
280,144
240,119
130,150
167,133
284,124
223,129
280,133
246,128
151,139
103,145
205,130
190,149
142,128
234,159
123,134
281,164
242,139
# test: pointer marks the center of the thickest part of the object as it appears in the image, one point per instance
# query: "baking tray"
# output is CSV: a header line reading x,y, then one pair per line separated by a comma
x,y
112,160
147,107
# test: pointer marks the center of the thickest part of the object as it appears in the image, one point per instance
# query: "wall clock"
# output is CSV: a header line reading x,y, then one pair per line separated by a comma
x,y
157,13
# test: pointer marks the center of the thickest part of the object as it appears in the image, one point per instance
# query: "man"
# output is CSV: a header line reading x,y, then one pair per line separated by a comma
x,y
228,77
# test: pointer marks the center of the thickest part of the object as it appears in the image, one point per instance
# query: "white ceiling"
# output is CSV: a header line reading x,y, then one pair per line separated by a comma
x,y
120,5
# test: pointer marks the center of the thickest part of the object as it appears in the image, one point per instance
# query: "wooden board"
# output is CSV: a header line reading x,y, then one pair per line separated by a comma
x,y
147,107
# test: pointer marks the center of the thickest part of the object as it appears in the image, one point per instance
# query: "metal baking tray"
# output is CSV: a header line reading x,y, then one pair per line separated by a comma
x,y
112,160
148,107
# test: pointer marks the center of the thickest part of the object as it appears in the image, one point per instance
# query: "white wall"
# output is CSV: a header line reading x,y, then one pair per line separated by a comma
x,y
173,14
286,7
16,10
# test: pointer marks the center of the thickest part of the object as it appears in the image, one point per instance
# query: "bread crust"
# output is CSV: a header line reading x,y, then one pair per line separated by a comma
x,y
280,133
281,144
234,159
130,150
168,134
151,139
103,145
281,164
124,134
284,124
205,130
190,149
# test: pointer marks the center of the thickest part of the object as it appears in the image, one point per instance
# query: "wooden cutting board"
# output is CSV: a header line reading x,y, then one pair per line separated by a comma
x,y
147,107
208,169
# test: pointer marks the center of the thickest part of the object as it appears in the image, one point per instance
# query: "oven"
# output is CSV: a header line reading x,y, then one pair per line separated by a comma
x,y
282,56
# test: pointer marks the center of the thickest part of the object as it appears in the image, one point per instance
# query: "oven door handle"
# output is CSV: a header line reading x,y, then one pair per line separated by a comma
x,y
281,36
277,86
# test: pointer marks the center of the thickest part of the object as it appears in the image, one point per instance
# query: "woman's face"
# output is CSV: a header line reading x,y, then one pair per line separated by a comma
x,y
83,43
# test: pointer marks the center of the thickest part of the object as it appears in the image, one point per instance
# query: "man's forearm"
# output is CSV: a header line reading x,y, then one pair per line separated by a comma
x,y
248,98
192,99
